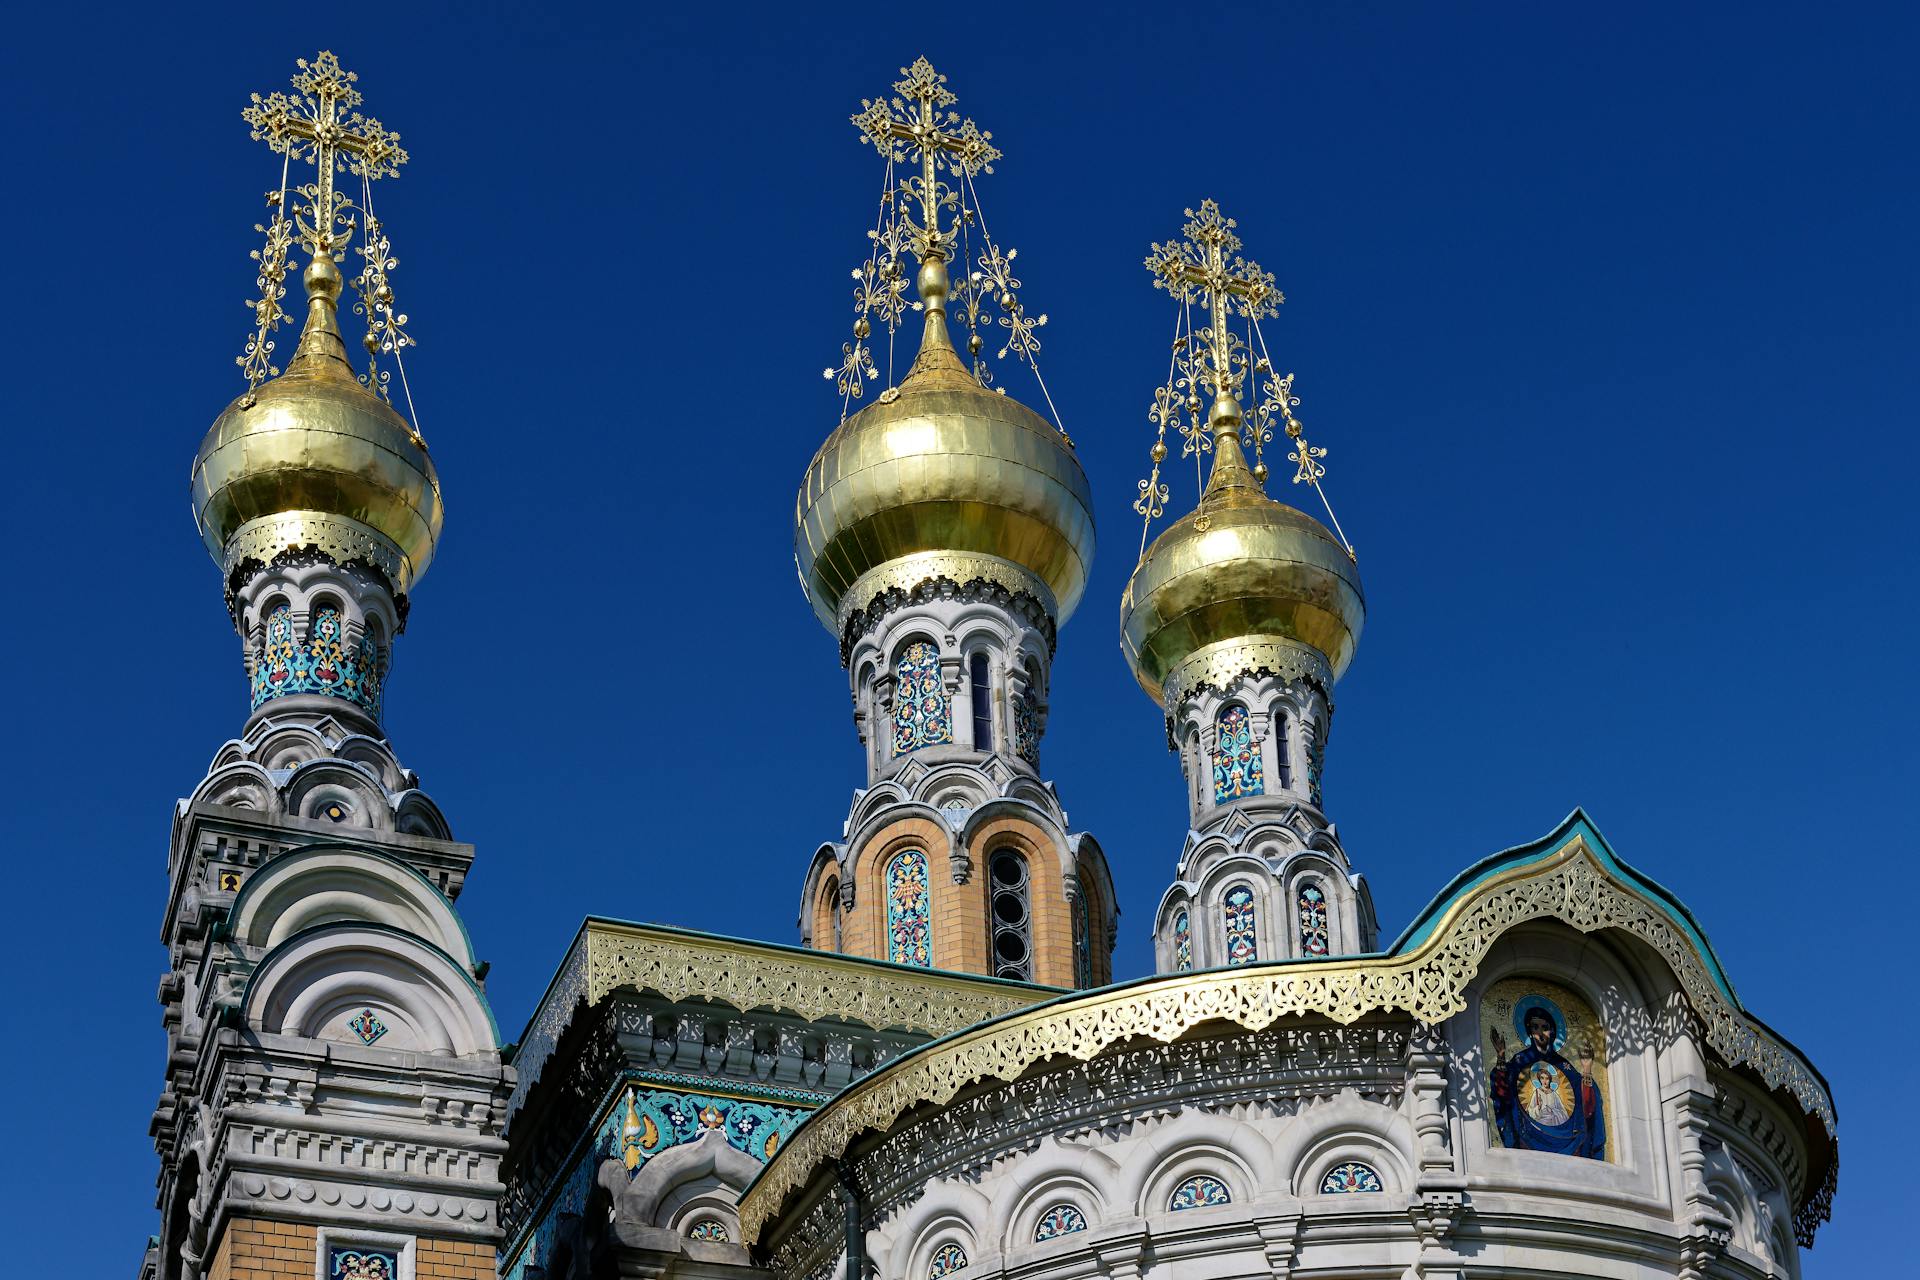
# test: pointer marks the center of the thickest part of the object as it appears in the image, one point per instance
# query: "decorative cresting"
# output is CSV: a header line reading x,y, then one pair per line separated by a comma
x,y
609,955
317,457
941,478
1241,584
1426,974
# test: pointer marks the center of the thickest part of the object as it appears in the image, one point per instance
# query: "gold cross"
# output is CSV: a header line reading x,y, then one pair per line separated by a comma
x,y
917,125
318,122
1208,263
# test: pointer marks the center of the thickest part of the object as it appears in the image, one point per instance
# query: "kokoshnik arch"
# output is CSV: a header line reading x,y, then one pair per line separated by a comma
x,y
1545,1073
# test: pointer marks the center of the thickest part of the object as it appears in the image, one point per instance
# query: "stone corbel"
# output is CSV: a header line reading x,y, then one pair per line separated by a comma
x,y
1436,1208
1280,1238
1705,1239
960,861
1121,1259
950,667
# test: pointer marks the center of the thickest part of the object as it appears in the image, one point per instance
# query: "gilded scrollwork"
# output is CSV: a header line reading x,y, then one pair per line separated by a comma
x,y
1429,981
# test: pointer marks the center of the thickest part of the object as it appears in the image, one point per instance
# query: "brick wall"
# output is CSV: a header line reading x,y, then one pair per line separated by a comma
x,y
255,1249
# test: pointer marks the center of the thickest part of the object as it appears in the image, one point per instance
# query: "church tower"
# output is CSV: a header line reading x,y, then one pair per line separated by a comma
x,y
943,534
1237,621
334,1089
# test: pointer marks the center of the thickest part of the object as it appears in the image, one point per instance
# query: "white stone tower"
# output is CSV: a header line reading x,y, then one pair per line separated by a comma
x,y
334,1088
1238,619
943,534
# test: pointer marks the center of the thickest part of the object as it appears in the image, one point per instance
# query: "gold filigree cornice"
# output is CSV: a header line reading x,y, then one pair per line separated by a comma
x,y
908,573
813,985
1217,666
1429,982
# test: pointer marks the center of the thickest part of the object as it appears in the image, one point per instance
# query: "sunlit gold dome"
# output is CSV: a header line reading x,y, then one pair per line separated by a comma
x,y
312,458
947,478
1240,583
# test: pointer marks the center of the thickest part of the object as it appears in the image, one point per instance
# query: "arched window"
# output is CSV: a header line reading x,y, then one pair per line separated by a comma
x,y
1238,908
921,716
1182,941
1282,749
947,1259
980,695
1202,1191
1236,757
909,910
1349,1178
1061,1220
1012,922
1312,904
826,921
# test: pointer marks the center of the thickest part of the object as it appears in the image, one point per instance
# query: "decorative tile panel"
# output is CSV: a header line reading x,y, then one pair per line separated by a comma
x,y
1236,757
922,716
367,1025
909,910
1241,920
647,1122
1202,1191
710,1229
947,1259
361,1262
1349,1178
1061,1220
1182,941
1313,919
322,664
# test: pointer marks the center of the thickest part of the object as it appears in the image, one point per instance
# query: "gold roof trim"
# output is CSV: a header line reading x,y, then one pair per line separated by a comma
x,y
816,984
909,572
1218,665
1429,982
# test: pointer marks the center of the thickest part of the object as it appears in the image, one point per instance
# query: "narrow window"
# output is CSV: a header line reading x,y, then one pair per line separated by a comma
x,y
1313,919
1242,947
921,716
909,910
1182,941
1236,757
1012,928
982,699
1282,750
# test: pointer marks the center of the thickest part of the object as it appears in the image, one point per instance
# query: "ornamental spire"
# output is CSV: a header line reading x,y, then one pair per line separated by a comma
x,y
930,208
319,123
1206,268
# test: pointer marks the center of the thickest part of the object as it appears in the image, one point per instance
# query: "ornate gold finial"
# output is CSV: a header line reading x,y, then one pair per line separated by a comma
x,y
935,220
319,123
1207,267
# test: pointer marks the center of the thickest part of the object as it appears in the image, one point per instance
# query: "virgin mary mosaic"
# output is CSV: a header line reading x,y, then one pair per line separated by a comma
x,y
1547,1087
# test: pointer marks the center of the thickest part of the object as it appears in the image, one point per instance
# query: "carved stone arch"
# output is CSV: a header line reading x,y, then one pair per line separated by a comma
x,y
376,757
1189,1143
1056,1172
288,744
416,814
318,787
704,1177
876,801
947,1212
823,867
241,785
316,984
1327,874
1056,840
869,840
1343,1129
326,883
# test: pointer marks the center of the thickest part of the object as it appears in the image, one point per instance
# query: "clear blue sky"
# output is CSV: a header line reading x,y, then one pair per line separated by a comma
x,y
1608,316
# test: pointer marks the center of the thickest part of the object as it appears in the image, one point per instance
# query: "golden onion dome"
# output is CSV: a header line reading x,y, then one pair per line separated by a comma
x,y
1239,584
313,458
942,477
